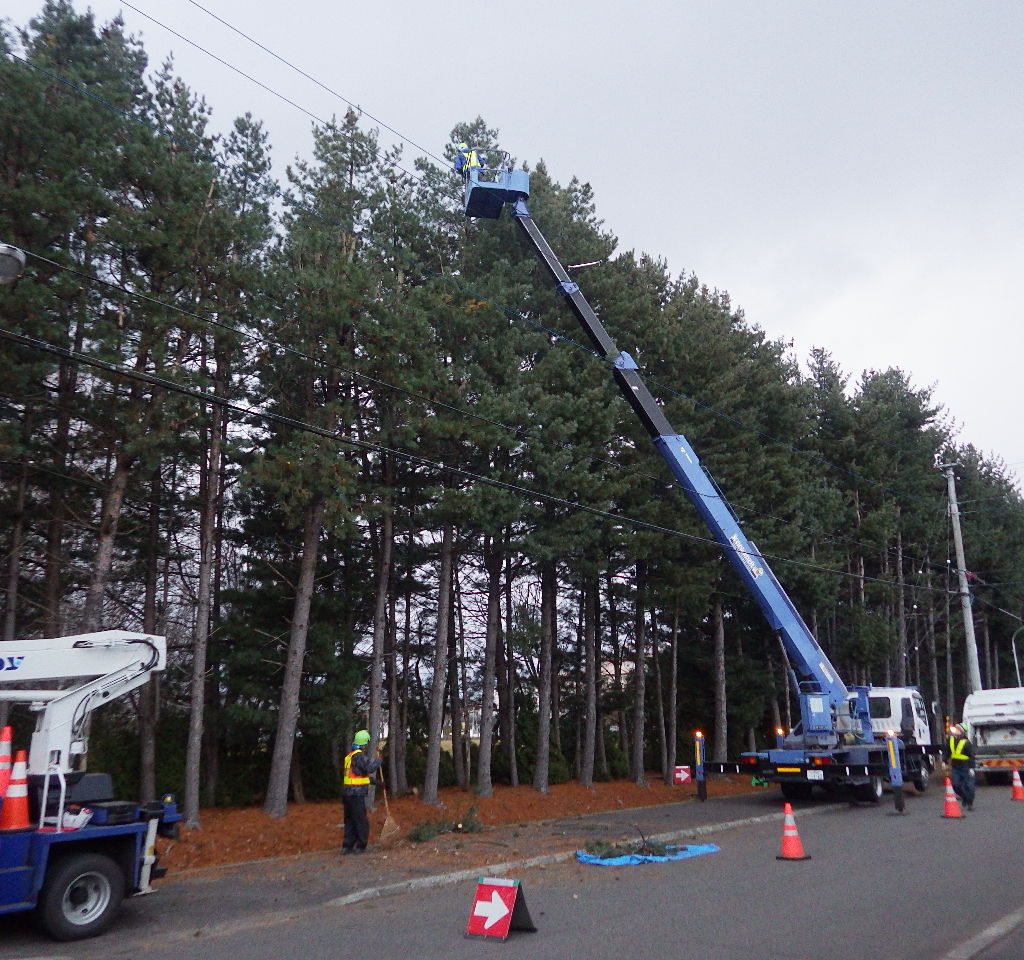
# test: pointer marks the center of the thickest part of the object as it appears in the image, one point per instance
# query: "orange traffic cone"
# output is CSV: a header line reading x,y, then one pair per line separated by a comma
x,y
951,809
14,812
792,848
1018,787
5,760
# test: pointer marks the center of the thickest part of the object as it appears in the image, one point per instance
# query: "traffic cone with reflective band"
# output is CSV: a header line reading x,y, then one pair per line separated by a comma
x,y
951,810
5,760
14,812
1018,787
792,848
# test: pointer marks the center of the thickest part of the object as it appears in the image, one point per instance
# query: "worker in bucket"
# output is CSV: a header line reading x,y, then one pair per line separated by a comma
x,y
355,786
960,754
466,159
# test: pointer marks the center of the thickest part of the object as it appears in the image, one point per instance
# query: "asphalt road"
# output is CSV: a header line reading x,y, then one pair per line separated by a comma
x,y
912,887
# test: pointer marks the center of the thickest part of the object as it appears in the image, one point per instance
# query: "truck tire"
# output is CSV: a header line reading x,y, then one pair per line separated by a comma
x,y
922,779
80,896
796,791
870,792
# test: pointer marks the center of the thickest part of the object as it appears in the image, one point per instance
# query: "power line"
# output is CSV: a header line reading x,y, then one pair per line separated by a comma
x,y
505,310
303,73
242,73
305,427
518,433
763,435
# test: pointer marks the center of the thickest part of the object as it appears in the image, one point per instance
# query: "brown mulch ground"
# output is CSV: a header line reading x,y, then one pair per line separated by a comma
x,y
237,835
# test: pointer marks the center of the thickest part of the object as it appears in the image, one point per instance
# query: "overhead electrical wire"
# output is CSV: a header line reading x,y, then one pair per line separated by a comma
x,y
519,433
507,311
444,163
303,73
557,335
303,426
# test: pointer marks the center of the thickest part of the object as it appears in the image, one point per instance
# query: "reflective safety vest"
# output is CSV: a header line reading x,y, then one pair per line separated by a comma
x,y
353,779
956,749
467,160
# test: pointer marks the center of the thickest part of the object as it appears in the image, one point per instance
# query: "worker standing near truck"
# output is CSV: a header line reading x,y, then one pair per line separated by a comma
x,y
355,786
960,753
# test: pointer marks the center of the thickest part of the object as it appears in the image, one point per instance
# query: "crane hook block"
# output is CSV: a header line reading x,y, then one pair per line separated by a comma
x,y
488,190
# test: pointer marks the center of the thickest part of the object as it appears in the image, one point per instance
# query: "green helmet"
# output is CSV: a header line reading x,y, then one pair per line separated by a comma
x,y
362,738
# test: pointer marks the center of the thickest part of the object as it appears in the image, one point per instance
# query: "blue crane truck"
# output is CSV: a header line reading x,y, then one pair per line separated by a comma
x,y
69,851
834,744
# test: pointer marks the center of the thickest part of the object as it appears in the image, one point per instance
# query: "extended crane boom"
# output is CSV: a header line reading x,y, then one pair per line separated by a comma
x,y
823,693
835,740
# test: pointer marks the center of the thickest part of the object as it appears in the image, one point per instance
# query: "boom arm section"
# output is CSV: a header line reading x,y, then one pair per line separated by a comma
x,y
101,668
823,693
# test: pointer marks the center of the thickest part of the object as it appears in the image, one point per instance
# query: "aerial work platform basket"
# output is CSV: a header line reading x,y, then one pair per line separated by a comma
x,y
489,189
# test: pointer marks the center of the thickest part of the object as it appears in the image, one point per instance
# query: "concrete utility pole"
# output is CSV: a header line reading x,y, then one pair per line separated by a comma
x,y
973,667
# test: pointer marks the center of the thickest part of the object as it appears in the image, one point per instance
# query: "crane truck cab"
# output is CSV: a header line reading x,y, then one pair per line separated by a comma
x,y
901,709
70,850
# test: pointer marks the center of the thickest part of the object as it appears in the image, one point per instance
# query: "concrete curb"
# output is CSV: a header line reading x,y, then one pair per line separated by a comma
x,y
458,876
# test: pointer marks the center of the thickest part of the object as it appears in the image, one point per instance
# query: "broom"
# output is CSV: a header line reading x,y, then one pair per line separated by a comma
x,y
390,829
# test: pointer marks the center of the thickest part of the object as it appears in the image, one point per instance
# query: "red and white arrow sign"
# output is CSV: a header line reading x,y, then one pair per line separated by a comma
x,y
491,910
496,909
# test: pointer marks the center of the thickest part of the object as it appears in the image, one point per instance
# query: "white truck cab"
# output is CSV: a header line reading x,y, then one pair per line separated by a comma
x,y
995,722
902,710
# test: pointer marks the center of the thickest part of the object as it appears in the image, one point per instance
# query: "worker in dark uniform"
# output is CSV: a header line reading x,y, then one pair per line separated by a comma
x,y
355,786
960,754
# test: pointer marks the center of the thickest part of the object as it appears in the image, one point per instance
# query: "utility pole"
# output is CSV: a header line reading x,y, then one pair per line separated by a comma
x,y
973,667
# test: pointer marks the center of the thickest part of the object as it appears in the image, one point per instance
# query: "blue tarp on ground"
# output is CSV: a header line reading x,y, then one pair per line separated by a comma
x,y
632,859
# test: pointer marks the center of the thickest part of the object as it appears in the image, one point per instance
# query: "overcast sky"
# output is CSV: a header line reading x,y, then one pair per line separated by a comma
x,y
851,172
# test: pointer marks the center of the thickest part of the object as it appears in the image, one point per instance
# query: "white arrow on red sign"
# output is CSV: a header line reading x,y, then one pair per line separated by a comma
x,y
493,910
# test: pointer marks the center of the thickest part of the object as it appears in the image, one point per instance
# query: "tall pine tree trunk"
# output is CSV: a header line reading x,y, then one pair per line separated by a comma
x,y
639,673
149,694
210,487
92,616
493,563
14,557
67,385
673,693
276,803
901,614
454,699
659,697
380,610
721,746
505,640
590,606
548,631
436,716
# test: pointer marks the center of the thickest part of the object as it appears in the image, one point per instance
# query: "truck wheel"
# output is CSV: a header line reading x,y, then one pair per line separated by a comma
x,y
80,896
870,792
922,779
796,791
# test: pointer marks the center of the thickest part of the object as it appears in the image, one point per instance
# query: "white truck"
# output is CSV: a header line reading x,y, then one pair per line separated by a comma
x,y
995,722
75,850
903,710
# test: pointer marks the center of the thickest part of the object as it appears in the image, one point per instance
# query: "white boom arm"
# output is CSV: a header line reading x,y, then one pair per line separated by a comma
x,y
103,666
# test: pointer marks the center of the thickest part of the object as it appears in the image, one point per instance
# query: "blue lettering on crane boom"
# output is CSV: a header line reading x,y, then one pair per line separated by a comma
x,y
11,663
